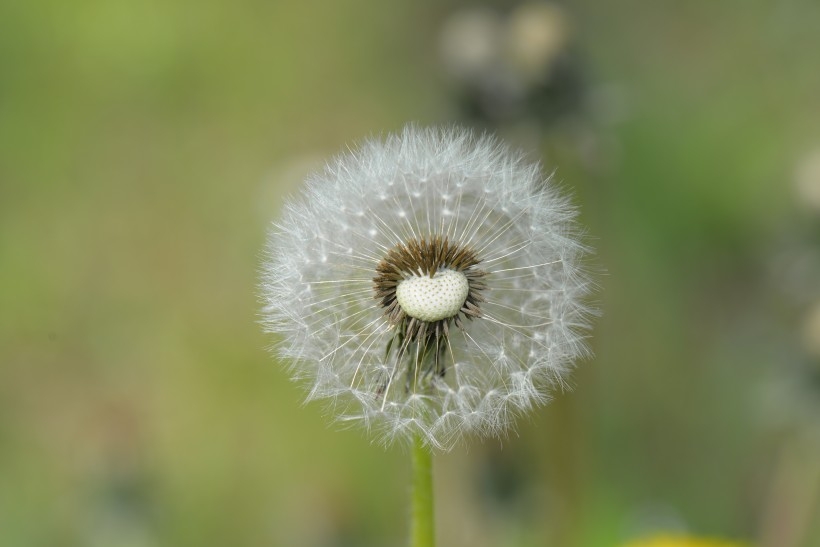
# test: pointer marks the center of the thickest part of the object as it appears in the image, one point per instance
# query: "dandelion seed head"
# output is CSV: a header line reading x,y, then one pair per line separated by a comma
x,y
430,283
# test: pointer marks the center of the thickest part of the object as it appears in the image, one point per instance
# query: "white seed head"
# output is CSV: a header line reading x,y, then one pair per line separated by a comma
x,y
433,298
428,284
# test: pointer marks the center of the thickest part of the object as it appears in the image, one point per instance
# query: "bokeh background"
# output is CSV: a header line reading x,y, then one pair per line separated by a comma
x,y
146,145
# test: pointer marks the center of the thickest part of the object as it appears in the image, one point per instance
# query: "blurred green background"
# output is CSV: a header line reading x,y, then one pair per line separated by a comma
x,y
145,146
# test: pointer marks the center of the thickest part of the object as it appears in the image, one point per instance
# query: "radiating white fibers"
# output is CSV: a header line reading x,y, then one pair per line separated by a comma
x,y
517,335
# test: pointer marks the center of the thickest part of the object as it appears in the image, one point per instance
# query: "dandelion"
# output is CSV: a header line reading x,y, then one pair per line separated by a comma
x,y
428,285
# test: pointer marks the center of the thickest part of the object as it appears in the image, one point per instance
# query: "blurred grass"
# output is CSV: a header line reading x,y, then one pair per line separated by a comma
x,y
145,146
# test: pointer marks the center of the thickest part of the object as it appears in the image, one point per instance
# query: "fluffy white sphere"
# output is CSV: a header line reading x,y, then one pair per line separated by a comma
x,y
364,282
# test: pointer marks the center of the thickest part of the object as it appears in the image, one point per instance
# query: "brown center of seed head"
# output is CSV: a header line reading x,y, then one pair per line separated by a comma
x,y
424,257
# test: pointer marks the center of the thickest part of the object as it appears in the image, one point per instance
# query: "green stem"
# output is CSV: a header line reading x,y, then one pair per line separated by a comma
x,y
422,533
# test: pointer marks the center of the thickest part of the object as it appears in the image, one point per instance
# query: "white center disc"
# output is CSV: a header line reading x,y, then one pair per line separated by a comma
x,y
433,299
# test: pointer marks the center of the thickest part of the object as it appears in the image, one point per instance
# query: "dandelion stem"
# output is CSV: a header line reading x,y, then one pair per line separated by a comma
x,y
422,533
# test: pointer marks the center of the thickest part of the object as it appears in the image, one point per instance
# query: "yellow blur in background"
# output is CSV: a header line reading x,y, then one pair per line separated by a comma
x,y
145,147
681,541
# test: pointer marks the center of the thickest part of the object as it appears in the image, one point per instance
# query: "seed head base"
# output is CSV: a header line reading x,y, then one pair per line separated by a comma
x,y
424,342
